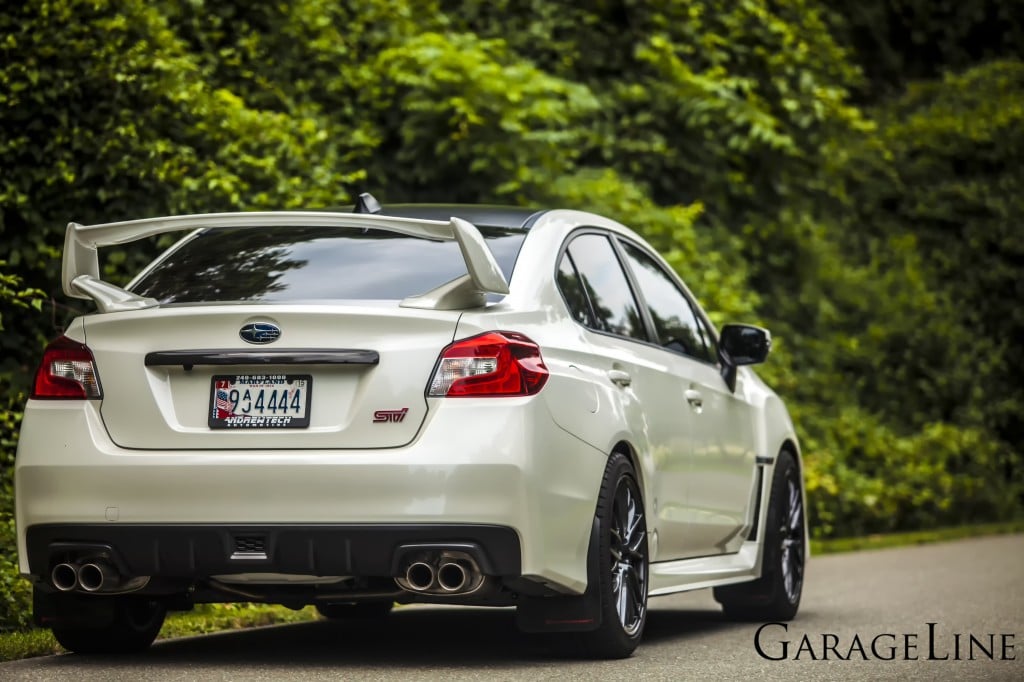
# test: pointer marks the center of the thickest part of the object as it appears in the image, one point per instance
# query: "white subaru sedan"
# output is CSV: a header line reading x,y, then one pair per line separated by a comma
x,y
419,403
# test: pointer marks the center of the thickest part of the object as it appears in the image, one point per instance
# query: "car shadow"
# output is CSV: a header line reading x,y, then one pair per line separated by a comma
x,y
408,639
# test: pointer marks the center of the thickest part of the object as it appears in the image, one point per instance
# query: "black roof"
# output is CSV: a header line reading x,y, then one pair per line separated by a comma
x,y
509,217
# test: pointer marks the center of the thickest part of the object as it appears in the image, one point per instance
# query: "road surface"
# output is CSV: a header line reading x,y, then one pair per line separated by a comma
x,y
874,605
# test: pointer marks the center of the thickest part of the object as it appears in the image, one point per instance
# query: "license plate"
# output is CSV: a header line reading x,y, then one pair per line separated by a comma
x,y
260,401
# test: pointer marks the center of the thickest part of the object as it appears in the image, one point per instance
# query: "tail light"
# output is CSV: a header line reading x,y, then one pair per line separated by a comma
x,y
67,372
491,364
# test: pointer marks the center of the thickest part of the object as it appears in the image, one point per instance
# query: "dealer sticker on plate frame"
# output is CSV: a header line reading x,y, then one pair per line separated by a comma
x,y
260,401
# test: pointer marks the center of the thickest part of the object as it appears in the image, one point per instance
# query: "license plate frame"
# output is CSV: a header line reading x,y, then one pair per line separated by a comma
x,y
297,387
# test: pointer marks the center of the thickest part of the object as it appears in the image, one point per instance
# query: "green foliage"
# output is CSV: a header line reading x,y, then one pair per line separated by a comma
x,y
19,644
950,182
15,297
713,100
16,301
203,619
865,478
465,114
918,537
15,592
896,41
107,116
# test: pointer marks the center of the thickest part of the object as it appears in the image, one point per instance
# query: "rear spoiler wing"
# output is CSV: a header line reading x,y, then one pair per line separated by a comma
x,y
80,272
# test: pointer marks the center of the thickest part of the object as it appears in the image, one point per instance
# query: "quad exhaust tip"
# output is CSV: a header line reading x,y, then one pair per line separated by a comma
x,y
64,577
93,576
452,577
442,572
420,576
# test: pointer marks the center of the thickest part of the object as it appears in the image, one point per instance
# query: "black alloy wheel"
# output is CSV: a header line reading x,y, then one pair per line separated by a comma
x,y
623,564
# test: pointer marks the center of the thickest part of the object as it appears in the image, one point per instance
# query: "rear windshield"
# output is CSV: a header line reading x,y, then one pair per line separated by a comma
x,y
312,263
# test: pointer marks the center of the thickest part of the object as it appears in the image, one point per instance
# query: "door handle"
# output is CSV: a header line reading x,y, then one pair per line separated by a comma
x,y
620,378
695,399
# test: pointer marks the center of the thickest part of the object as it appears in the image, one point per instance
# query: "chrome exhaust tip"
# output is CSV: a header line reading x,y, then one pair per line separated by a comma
x,y
64,577
452,576
442,571
96,576
420,576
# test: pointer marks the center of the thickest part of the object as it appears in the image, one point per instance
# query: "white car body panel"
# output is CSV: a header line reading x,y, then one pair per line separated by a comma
x,y
539,482
168,405
534,464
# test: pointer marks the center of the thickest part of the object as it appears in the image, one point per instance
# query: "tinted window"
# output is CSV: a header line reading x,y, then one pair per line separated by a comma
x,y
606,285
572,291
674,319
313,263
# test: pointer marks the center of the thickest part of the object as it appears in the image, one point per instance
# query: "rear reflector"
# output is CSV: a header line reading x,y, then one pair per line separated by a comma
x,y
491,364
67,372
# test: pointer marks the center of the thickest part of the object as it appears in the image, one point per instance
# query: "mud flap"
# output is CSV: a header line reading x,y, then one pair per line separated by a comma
x,y
567,614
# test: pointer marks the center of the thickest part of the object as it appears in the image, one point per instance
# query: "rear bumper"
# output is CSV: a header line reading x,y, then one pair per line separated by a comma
x,y
476,464
197,551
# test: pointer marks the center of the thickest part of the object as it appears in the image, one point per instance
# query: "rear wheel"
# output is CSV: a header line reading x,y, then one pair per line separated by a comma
x,y
622,564
775,596
367,610
133,626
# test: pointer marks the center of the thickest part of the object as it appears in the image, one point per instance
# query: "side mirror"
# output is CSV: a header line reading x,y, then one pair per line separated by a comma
x,y
745,344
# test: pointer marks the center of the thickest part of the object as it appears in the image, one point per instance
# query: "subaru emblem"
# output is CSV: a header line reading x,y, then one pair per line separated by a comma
x,y
260,332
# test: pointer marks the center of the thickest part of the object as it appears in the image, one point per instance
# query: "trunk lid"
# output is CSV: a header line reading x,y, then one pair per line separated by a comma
x,y
166,404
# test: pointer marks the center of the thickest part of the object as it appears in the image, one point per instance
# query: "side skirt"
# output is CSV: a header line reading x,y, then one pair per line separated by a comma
x,y
694,574
681,575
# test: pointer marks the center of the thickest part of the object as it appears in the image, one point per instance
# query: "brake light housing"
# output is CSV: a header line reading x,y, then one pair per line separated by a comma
x,y
492,364
67,372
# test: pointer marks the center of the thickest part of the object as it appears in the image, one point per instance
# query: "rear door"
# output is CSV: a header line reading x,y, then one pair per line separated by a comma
x,y
622,347
720,472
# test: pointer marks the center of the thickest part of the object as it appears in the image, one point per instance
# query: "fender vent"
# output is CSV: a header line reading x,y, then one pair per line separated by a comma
x,y
757,502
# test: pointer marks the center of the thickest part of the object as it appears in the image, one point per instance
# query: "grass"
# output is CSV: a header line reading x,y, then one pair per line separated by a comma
x,y
919,537
201,620
216,617
26,644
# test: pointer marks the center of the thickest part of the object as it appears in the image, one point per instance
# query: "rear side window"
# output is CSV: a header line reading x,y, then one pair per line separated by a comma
x,y
605,283
575,295
313,263
674,319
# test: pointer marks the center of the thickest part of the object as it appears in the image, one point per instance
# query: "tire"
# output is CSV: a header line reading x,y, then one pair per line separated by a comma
x,y
366,610
775,596
623,564
134,626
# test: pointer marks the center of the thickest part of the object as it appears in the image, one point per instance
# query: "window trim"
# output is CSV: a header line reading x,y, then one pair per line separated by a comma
x,y
638,297
591,318
634,284
563,250
674,278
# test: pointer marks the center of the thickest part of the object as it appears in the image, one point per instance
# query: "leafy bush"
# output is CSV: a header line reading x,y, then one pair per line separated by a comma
x,y
15,591
862,478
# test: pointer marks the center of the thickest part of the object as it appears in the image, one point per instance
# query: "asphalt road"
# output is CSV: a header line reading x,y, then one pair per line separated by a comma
x,y
970,587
